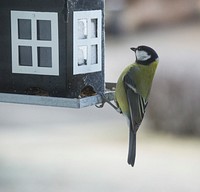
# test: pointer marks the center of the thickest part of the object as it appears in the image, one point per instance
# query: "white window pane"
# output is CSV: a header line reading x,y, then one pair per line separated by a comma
x,y
44,30
25,56
94,54
24,28
82,55
93,28
82,28
35,47
87,41
44,57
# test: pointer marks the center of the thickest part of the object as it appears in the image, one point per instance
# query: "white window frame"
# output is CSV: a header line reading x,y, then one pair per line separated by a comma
x,y
34,42
89,41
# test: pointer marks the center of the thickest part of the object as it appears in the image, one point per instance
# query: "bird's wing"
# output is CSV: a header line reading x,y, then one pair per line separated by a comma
x,y
137,103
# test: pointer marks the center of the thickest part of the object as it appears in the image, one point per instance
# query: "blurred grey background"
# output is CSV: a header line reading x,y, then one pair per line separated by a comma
x,y
59,149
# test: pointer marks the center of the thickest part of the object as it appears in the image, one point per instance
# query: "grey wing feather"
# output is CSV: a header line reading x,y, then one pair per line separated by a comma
x,y
137,106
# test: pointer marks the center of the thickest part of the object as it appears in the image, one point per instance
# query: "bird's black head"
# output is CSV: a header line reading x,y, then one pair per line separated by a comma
x,y
145,55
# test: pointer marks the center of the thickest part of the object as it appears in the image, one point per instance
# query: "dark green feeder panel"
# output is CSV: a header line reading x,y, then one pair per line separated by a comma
x,y
52,52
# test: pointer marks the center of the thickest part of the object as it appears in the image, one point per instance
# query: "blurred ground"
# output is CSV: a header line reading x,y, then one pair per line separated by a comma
x,y
48,149
57,149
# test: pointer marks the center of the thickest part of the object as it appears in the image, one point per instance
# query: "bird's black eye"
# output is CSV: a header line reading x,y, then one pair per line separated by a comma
x,y
139,48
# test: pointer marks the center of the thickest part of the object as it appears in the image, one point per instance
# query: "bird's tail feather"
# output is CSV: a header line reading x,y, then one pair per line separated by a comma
x,y
132,147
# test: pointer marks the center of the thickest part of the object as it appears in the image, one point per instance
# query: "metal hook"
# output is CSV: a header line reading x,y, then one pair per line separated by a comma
x,y
105,100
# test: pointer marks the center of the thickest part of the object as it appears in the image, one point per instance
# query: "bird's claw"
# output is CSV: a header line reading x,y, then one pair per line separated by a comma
x,y
104,100
100,105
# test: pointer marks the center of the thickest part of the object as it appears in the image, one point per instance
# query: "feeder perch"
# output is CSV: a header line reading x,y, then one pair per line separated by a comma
x,y
52,52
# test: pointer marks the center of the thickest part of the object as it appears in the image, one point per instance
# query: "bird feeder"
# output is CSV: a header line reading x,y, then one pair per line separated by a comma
x,y
52,52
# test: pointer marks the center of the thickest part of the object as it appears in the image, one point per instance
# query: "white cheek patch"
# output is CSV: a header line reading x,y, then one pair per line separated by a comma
x,y
142,55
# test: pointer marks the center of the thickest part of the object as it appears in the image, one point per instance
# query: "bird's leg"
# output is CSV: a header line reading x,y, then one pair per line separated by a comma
x,y
105,100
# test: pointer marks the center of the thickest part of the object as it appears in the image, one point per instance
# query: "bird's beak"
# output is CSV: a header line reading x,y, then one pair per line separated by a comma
x,y
133,49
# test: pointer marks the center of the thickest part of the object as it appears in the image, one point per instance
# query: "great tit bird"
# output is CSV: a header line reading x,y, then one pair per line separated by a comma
x,y
132,92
